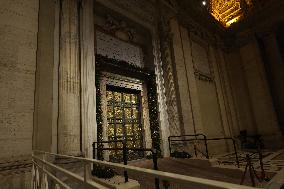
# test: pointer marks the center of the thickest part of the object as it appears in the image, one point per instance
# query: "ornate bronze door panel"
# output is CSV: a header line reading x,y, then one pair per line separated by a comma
x,y
124,121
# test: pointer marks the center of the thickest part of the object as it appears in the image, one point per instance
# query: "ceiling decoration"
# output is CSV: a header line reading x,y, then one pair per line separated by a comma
x,y
228,12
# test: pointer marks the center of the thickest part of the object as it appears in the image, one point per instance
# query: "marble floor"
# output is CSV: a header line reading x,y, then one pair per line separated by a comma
x,y
191,167
272,161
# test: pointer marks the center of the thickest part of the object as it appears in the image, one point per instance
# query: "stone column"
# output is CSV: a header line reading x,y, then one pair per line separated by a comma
x,y
88,83
45,101
69,131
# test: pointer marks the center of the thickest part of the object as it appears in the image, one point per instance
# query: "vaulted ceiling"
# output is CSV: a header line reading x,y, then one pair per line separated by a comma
x,y
235,15
256,19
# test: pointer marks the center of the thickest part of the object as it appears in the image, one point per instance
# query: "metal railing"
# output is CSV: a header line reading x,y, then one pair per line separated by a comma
x,y
125,150
205,139
172,139
45,171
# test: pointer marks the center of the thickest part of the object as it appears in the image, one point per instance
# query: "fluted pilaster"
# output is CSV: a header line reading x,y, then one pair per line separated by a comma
x,y
69,131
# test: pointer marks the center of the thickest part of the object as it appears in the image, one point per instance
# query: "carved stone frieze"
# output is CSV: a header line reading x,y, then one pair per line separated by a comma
x,y
168,73
143,10
118,28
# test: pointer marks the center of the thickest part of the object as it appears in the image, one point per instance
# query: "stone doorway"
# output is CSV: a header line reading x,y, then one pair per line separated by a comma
x,y
124,121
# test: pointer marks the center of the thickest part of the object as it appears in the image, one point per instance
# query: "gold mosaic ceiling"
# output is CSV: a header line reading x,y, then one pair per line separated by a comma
x,y
228,12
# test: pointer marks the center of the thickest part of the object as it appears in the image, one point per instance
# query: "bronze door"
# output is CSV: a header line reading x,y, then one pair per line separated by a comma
x,y
124,121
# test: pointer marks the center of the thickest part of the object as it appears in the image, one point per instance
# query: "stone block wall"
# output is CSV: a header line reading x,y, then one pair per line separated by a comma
x,y
18,39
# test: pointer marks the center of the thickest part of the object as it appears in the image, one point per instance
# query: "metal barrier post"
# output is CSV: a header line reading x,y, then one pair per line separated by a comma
x,y
170,149
194,146
206,146
124,152
155,161
236,153
261,163
94,150
251,174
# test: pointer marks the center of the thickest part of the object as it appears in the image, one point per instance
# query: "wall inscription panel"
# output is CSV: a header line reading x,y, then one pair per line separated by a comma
x,y
115,48
200,58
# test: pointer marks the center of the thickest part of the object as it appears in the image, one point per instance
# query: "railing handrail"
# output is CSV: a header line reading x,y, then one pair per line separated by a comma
x,y
83,180
125,151
205,139
55,179
192,135
159,174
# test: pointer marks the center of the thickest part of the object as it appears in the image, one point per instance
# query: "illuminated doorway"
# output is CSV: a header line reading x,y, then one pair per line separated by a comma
x,y
124,121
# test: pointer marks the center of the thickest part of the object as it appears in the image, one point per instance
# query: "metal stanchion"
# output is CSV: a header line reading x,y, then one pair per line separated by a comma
x,y
251,171
124,152
236,153
206,146
155,161
170,149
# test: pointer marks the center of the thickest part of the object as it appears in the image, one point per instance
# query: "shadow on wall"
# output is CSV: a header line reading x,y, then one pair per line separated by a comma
x,y
274,68
280,40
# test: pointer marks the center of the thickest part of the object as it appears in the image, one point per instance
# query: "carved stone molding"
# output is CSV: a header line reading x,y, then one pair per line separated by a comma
x,y
122,81
119,28
168,74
